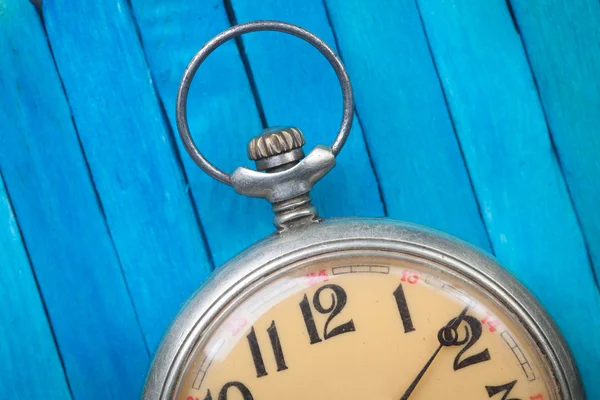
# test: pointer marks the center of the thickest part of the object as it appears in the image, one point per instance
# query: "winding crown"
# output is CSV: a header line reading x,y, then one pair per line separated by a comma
x,y
275,141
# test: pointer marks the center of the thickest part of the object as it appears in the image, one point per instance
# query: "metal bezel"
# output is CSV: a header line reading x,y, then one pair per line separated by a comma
x,y
278,251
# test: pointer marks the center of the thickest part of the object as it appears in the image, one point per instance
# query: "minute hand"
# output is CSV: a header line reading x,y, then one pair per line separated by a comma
x,y
443,333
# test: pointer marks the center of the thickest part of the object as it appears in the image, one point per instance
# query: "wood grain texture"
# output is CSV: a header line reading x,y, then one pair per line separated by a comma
x,y
131,155
405,118
460,109
58,213
297,86
25,332
501,127
562,40
222,114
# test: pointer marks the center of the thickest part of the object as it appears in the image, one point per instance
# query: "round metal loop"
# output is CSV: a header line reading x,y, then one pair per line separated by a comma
x,y
237,30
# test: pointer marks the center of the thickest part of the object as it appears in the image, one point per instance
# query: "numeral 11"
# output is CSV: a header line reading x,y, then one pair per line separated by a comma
x,y
259,362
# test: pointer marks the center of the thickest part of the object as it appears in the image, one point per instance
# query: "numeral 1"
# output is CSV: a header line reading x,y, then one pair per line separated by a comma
x,y
259,362
276,346
309,321
403,309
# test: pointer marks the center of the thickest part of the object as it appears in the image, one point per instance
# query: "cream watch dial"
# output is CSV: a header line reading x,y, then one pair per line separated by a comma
x,y
353,326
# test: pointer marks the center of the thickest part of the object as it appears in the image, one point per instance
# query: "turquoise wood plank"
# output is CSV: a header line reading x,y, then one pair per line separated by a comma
x,y
562,40
62,224
131,156
406,122
297,86
222,114
501,126
25,336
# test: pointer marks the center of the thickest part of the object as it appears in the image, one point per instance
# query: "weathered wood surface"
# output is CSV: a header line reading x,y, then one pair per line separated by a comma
x,y
477,118
55,202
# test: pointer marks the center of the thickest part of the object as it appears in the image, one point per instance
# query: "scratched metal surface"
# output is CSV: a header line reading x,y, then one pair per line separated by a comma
x,y
480,119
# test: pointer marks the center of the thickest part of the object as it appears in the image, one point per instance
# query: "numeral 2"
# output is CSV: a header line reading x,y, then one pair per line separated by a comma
x,y
471,339
245,392
403,309
506,388
338,301
259,363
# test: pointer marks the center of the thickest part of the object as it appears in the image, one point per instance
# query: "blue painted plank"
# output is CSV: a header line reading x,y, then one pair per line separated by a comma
x,y
297,87
62,224
501,126
222,114
130,152
25,336
562,40
405,119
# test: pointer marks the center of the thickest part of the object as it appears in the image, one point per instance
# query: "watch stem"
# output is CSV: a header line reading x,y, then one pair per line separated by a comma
x,y
276,150
296,211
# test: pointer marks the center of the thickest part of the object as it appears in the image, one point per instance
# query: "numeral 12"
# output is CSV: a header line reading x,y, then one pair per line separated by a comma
x,y
338,301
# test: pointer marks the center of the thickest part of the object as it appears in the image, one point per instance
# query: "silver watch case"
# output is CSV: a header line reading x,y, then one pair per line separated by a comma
x,y
273,254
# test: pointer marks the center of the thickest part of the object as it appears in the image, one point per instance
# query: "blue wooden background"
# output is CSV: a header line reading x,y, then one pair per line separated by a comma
x,y
478,118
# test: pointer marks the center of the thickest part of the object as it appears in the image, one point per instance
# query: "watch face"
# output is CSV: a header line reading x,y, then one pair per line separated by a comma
x,y
360,325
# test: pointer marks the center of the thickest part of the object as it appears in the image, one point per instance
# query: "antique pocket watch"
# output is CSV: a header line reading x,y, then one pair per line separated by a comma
x,y
350,308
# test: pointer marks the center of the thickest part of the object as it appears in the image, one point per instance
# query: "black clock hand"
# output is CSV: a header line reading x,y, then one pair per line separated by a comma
x,y
413,385
447,336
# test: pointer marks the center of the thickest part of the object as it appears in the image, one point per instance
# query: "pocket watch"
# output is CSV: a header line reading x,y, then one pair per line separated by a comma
x,y
349,308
